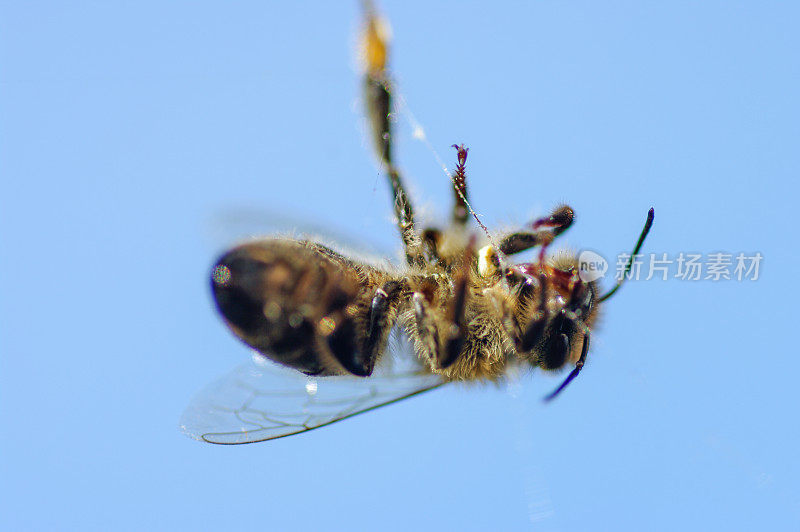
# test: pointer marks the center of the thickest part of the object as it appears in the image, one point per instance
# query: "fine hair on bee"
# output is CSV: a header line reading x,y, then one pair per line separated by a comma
x,y
469,312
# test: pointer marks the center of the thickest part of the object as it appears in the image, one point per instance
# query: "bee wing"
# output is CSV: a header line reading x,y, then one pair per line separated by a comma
x,y
261,401
242,224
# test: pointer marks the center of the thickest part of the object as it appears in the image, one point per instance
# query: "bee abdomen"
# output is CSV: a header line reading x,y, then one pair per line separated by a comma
x,y
294,304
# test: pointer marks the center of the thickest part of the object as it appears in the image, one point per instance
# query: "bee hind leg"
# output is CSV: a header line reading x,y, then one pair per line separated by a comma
x,y
380,323
378,98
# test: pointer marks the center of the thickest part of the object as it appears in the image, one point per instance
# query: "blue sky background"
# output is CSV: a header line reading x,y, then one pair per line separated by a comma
x,y
129,129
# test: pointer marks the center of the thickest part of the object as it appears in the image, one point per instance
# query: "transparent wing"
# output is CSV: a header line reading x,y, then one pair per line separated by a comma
x,y
242,224
261,401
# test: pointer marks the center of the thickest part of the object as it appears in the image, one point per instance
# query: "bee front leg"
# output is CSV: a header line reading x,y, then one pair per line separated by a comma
x,y
383,303
558,222
535,329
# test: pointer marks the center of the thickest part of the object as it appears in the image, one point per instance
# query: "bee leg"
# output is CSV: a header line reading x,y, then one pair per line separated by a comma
x,y
519,242
455,318
427,333
378,328
378,98
460,209
509,323
431,239
535,329
558,222
441,356
456,311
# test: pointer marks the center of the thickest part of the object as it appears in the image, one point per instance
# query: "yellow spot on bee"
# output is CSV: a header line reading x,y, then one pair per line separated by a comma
x,y
351,310
487,261
374,45
326,325
221,275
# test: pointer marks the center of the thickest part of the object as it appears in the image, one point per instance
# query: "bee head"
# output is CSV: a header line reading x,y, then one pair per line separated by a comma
x,y
556,309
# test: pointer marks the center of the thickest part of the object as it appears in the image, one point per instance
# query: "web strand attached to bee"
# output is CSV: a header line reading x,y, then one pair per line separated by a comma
x,y
418,133
375,59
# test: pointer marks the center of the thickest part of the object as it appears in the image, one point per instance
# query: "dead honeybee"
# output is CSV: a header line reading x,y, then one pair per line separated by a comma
x,y
467,311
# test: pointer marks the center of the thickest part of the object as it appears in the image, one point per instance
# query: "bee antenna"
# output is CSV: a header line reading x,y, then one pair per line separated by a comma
x,y
574,373
647,225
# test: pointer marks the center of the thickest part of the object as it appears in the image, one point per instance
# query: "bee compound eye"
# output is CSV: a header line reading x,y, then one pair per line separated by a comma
x,y
556,351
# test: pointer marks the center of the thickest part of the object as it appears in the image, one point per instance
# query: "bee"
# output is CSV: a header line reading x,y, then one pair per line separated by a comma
x,y
321,321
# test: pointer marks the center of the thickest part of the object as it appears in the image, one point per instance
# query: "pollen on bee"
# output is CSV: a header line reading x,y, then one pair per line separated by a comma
x,y
221,275
487,261
374,44
326,326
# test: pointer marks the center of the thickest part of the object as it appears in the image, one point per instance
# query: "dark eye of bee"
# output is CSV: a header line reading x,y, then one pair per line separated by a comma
x,y
556,351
